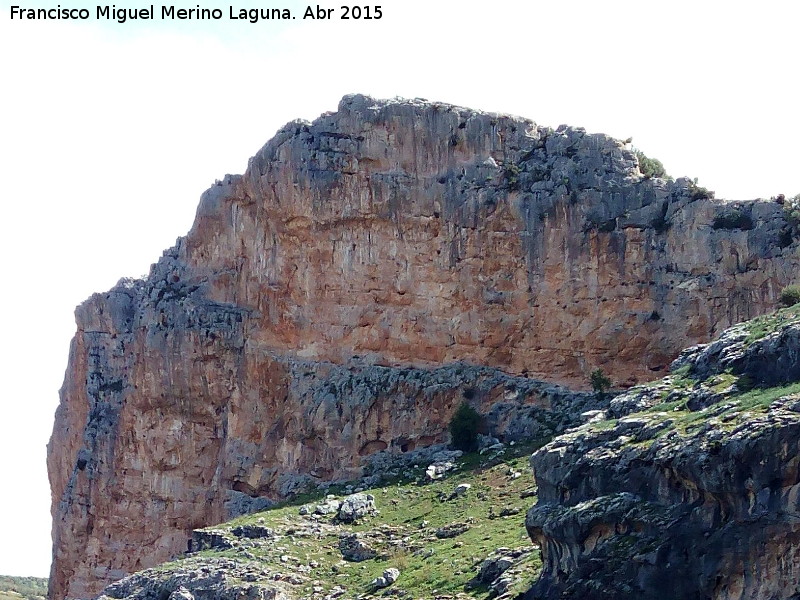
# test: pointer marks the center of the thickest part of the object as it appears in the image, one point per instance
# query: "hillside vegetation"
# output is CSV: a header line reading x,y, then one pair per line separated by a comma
x,y
461,536
17,588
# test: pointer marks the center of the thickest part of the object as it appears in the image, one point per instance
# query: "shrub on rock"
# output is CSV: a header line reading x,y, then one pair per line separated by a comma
x,y
464,428
790,295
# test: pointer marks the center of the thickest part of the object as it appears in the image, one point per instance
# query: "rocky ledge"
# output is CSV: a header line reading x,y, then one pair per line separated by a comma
x,y
686,488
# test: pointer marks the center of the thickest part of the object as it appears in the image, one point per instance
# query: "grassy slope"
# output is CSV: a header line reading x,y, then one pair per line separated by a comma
x,y
762,326
404,532
738,404
17,588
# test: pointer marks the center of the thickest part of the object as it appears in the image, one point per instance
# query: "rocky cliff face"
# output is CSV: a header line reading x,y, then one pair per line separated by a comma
x,y
303,322
694,494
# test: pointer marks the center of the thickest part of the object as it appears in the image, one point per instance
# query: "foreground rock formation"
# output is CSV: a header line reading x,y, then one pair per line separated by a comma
x,y
303,322
695,495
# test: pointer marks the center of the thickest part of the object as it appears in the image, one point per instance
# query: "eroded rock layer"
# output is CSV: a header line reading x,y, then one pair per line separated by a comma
x,y
694,494
274,341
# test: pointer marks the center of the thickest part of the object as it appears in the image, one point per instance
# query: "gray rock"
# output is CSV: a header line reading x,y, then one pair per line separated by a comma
x,y
770,360
238,503
355,507
634,515
460,490
485,441
452,530
498,447
204,579
355,549
491,568
438,470
328,507
446,456
181,594
209,539
509,511
593,416
252,531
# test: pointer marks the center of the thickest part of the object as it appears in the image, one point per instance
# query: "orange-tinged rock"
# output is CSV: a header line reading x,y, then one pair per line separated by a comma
x,y
401,234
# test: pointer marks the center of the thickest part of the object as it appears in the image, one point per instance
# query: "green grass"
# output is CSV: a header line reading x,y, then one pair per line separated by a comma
x,y
18,588
762,326
760,399
736,408
404,532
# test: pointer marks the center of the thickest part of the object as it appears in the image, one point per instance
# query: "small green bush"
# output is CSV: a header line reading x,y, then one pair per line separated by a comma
x,y
745,383
464,428
698,192
792,214
600,381
650,167
791,210
734,219
790,295
512,171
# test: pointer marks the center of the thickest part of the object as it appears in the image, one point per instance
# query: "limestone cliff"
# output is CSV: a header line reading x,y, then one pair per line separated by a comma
x,y
689,488
304,320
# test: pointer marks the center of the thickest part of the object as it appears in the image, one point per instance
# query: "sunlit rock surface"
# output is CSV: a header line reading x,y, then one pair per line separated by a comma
x,y
273,344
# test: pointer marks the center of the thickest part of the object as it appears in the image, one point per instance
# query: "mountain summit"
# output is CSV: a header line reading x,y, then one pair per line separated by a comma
x,y
370,272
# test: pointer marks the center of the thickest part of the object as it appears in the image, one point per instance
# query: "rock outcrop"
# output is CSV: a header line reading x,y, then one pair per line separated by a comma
x,y
150,468
693,496
302,323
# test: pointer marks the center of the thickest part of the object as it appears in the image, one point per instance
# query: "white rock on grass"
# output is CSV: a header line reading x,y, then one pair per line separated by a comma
x,y
389,576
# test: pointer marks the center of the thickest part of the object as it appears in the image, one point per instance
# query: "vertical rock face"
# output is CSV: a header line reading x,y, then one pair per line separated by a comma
x,y
304,320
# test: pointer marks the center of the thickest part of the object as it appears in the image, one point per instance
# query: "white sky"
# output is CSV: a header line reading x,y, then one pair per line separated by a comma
x,y
109,133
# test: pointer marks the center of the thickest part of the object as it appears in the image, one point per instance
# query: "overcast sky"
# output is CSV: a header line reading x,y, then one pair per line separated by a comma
x,y
109,133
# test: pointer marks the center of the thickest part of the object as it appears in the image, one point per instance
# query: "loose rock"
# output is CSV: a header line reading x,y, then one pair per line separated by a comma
x,y
355,549
355,507
389,576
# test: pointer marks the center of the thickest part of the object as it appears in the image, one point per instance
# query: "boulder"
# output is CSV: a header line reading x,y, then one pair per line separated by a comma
x,y
389,576
355,507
